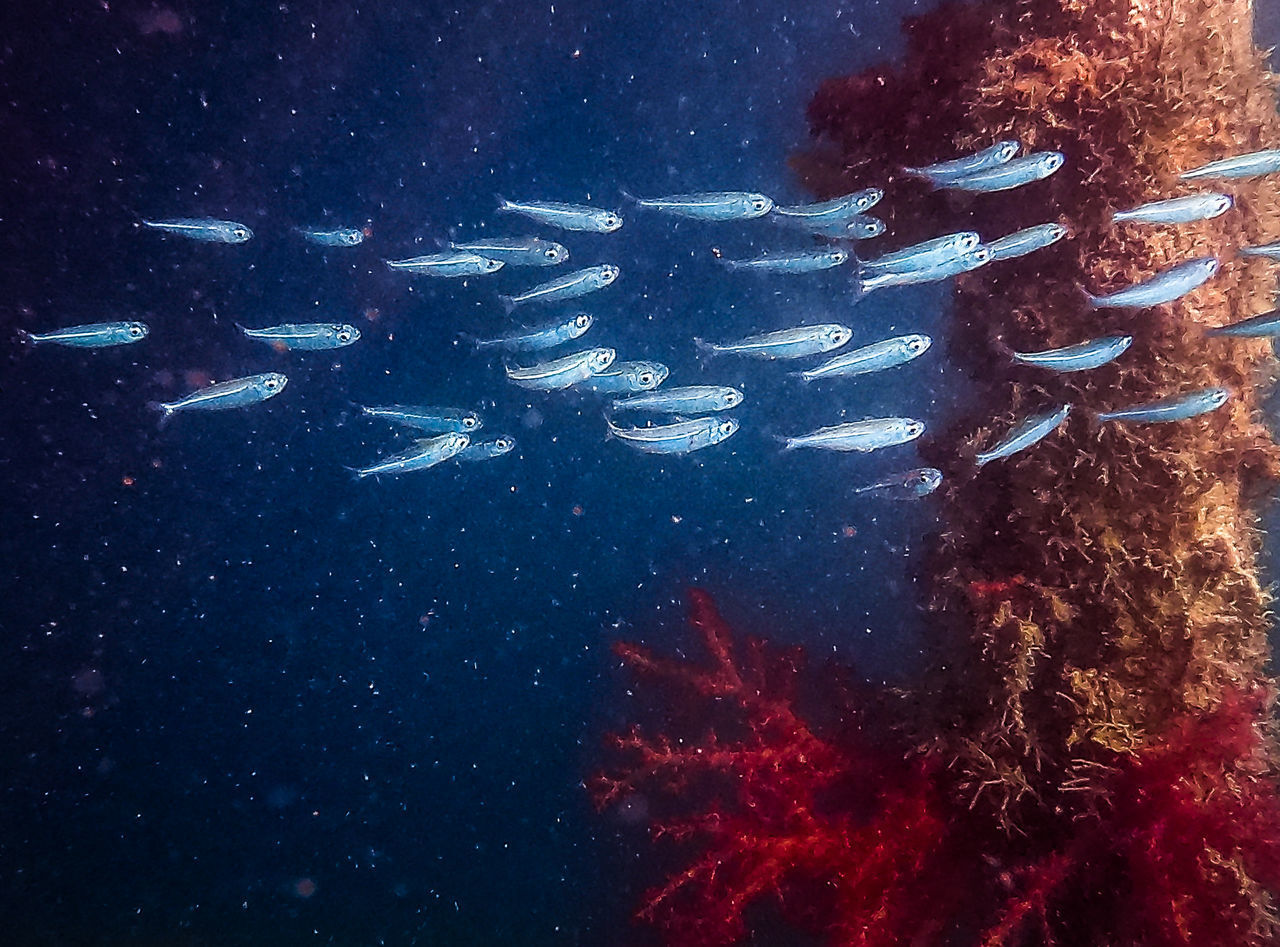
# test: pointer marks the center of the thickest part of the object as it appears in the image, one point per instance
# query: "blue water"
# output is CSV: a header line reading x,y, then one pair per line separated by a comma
x,y
248,700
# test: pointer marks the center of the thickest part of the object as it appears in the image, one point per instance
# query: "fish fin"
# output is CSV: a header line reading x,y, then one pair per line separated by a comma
x,y
166,412
508,303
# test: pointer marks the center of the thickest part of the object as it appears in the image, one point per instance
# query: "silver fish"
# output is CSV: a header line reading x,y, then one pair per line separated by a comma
x,y
1270,251
1002,152
1029,431
338,237
626,377
711,205
204,229
236,393
427,417
861,436
875,357
1020,171
452,263
785,343
562,372
1241,166
1177,210
517,251
487,450
682,437
1027,240
691,399
837,210
569,286
306,337
1164,287
920,482
859,227
1077,358
1173,408
792,261
546,337
96,335
1264,326
953,267
577,217
425,452
924,255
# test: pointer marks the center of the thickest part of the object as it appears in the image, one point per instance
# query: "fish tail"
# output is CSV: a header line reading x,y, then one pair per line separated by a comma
x,y
1091,299
803,376
627,195
355,472
166,412
504,205
27,337
475,341
241,328
508,303
788,443
704,346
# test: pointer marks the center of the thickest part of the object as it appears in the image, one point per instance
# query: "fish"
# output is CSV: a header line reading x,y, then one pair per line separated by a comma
x,y
428,418
236,393
836,210
204,229
858,227
875,357
569,286
1164,287
517,251
425,452
487,450
711,205
577,217
562,372
623,377
681,437
784,343
1177,210
1177,407
338,237
963,263
1002,152
1077,358
861,436
1027,432
1241,166
924,255
96,335
1020,171
1263,326
450,264
692,399
792,261
919,481
1271,251
305,337
1027,240
545,337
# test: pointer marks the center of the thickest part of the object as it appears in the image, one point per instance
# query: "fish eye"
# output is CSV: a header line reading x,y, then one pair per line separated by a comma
x,y
551,253
344,336
758,203
726,427
612,221
645,378
469,421
504,443
1053,160
270,383
240,233
135,331
582,320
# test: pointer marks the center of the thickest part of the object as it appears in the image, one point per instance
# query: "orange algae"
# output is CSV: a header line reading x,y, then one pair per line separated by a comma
x,y
1100,763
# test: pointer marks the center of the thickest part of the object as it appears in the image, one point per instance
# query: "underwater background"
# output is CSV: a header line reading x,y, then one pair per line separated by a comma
x,y
248,699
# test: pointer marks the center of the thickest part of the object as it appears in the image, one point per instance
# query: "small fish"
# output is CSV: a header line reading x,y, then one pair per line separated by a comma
x,y
1177,210
236,393
1264,326
692,399
1002,152
546,337
204,229
577,217
452,263
861,436
487,450
305,337
859,227
1173,408
427,418
562,372
792,261
1270,251
1027,432
1027,240
682,437
920,482
953,267
1241,166
785,343
569,286
97,335
517,251
1164,287
875,357
924,255
712,205
1020,171
425,452
626,377
338,237
1077,358
837,210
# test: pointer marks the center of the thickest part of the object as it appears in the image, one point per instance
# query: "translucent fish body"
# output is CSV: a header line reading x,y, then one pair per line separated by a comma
x,y
425,453
570,286
236,393
562,372
691,399
953,267
97,335
861,436
1077,358
1030,431
546,337
204,229
785,343
876,357
924,255
1020,171
306,336
711,205
517,251
626,377
918,482
337,237
450,264
1000,153
427,417
682,437
1025,241
1177,210
1241,166
1263,326
795,261
579,217
1164,287
836,210
1173,408
488,450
